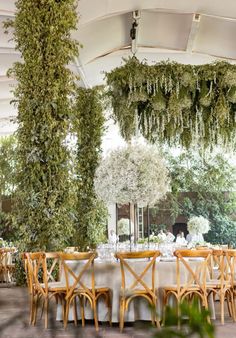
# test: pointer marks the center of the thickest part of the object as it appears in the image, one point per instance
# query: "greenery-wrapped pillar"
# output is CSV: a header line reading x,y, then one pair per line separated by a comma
x,y
42,36
91,215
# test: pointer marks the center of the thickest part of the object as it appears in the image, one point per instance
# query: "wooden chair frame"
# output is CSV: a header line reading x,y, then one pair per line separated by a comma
x,y
128,293
230,275
196,283
80,290
6,269
222,285
35,263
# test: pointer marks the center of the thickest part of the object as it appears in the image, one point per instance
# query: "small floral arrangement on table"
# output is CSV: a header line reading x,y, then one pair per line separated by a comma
x,y
123,226
5,244
198,225
154,239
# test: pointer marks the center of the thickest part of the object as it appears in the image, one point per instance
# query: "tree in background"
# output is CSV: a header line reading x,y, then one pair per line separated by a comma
x,y
212,179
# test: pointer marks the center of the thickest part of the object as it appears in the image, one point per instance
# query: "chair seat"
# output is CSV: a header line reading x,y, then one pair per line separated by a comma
x,y
97,290
129,292
174,287
52,286
102,289
216,283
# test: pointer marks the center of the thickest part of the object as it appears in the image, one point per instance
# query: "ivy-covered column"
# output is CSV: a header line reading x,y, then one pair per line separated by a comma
x,y
42,33
91,215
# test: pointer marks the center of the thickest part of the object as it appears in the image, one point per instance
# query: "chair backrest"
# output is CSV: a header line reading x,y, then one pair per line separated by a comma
x,y
74,278
4,255
28,279
36,268
138,278
230,269
217,265
53,265
197,272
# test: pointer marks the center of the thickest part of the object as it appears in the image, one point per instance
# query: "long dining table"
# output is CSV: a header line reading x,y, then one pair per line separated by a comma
x,y
107,274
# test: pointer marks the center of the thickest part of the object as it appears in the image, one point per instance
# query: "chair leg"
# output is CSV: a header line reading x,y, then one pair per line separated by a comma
x,y
229,303
109,306
222,304
35,309
75,312
165,299
205,304
122,313
31,316
63,304
81,301
66,312
231,293
95,314
156,319
46,301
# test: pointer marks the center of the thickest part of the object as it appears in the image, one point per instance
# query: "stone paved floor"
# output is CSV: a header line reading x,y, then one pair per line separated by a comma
x,y
14,323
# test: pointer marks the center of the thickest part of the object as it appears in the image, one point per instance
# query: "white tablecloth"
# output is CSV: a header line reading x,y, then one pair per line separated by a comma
x,y
108,274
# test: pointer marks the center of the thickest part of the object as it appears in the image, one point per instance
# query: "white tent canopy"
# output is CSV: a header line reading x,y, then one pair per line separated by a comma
x,y
186,31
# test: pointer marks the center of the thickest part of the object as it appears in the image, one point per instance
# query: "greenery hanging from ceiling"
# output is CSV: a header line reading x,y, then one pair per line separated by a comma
x,y
174,103
42,33
88,126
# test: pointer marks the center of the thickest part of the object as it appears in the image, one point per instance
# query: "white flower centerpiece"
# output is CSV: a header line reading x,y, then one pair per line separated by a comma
x,y
134,174
197,226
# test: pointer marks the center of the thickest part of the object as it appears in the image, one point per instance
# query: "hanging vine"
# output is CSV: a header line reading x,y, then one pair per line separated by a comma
x,y
88,125
42,34
175,103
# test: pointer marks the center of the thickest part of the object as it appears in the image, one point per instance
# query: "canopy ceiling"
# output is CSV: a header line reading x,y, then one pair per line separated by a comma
x,y
187,31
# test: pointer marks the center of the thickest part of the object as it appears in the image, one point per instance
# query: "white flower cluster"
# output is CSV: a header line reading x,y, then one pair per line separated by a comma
x,y
198,225
123,226
133,174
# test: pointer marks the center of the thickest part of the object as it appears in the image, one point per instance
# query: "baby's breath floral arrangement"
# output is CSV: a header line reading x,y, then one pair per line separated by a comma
x,y
175,103
198,225
134,174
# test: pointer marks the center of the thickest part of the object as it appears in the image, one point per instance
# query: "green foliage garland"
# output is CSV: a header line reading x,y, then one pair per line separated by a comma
x,y
88,126
175,103
42,33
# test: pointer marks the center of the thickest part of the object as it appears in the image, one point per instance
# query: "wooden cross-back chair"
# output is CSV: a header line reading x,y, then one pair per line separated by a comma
x,y
221,285
138,287
190,278
230,273
77,287
6,266
40,287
